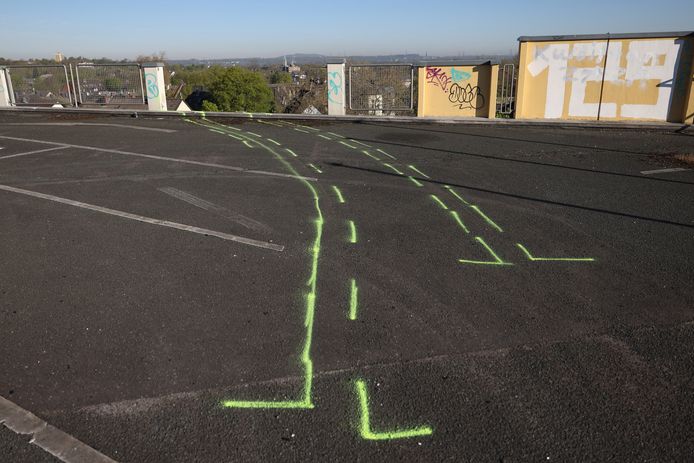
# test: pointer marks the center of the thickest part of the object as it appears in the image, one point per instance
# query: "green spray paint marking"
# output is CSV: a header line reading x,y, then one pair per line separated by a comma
x,y
438,201
353,300
271,123
487,219
557,259
359,143
306,401
323,136
291,152
335,134
418,171
365,421
415,181
393,168
338,193
273,141
454,193
460,223
352,232
497,260
370,155
383,152
348,145
315,168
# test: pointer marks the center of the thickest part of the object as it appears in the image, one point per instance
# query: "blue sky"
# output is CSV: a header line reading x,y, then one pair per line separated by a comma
x,y
221,29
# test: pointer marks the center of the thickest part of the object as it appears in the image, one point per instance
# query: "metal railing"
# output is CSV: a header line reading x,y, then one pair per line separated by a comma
x,y
381,87
506,97
110,83
39,85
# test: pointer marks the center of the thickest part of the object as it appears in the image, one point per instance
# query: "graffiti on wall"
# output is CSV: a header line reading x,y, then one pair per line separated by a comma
x,y
459,76
463,96
335,87
467,97
438,77
627,64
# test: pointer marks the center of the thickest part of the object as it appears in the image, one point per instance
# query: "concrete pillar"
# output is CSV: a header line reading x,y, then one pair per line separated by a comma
x,y
5,96
155,88
337,98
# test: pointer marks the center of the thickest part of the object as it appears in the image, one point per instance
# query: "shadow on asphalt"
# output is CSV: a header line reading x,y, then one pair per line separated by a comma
x,y
522,161
539,142
516,196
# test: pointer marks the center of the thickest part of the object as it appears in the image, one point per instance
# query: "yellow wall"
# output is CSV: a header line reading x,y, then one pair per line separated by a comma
x,y
458,91
689,107
644,79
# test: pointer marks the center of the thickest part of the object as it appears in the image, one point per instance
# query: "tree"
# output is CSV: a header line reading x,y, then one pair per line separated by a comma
x,y
113,84
279,77
239,89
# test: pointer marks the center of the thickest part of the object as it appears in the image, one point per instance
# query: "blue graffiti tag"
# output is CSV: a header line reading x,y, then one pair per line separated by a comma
x,y
459,76
334,86
151,84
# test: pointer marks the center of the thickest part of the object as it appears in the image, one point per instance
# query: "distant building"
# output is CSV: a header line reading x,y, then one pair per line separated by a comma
x,y
291,68
59,57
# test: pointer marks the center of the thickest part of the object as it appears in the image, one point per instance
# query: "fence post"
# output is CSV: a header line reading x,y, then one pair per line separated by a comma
x,y
155,87
5,97
336,89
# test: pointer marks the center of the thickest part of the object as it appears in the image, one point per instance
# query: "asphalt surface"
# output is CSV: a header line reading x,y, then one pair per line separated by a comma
x,y
151,343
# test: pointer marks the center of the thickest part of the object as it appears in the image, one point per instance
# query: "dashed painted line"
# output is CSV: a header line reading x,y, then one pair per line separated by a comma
x,y
338,193
415,181
383,152
487,219
353,300
394,169
348,145
312,166
438,201
413,168
273,141
371,155
352,231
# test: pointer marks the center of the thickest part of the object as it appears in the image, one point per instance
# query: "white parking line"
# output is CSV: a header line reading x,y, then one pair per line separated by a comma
x,y
163,158
34,152
662,171
97,124
149,220
51,439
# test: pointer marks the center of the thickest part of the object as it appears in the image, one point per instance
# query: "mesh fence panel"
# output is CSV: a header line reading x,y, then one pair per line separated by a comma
x,y
506,96
110,84
40,85
381,88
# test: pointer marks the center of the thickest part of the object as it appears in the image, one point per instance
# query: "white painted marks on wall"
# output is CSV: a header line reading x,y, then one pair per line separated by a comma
x,y
644,68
